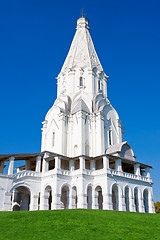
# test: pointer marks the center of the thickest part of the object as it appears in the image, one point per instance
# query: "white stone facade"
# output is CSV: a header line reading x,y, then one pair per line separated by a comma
x,y
84,161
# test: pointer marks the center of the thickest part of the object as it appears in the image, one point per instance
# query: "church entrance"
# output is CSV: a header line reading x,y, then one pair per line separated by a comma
x,y
20,199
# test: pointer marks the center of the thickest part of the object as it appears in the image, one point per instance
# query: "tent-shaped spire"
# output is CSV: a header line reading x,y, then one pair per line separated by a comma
x,y
82,53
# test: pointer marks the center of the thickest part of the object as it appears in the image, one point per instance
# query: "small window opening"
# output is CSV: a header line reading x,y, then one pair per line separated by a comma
x,y
99,85
81,82
53,139
110,137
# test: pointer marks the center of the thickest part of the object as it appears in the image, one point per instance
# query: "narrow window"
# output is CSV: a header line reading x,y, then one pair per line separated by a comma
x,y
110,140
81,82
53,139
99,85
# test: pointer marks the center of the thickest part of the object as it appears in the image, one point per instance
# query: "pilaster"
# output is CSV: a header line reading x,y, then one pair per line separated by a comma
x,y
45,164
7,202
93,165
105,162
71,165
34,203
82,163
38,164
137,169
11,165
100,134
57,162
118,165
1,166
27,165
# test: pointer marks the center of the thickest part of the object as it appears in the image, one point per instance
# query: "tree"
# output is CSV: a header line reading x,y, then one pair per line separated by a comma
x,y
157,207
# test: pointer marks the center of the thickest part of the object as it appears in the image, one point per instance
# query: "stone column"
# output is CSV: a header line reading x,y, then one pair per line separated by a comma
x,y
93,165
82,200
106,202
7,202
110,201
45,164
100,134
1,166
121,201
38,164
118,165
33,203
71,199
140,202
27,165
132,207
54,200
95,199
105,162
81,188
82,163
57,162
147,169
151,202
123,204
71,165
137,169
44,201
11,165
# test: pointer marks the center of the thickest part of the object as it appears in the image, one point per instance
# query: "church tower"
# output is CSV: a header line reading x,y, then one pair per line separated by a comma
x,y
82,120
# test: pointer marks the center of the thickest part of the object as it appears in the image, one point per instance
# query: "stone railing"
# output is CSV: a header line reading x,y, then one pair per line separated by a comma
x,y
65,172
113,172
25,173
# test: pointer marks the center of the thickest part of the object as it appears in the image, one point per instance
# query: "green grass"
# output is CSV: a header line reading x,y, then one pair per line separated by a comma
x,y
79,224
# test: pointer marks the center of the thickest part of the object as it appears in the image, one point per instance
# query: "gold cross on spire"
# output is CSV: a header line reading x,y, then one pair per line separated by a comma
x,y
82,11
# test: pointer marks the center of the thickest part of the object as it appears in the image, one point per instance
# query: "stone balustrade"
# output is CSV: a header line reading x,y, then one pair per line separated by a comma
x,y
26,173
111,172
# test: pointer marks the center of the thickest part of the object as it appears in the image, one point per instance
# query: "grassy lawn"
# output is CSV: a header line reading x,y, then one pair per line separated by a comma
x,y
78,224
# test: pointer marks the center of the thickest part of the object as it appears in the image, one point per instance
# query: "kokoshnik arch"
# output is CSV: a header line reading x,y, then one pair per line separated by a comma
x,y
84,161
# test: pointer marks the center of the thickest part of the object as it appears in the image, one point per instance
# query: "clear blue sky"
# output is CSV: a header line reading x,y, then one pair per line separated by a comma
x,y
35,37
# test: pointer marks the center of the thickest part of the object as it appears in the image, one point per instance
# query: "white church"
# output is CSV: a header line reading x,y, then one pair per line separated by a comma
x,y
84,161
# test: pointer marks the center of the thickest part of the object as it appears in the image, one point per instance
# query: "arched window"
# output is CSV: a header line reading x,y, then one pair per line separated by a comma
x,y
81,82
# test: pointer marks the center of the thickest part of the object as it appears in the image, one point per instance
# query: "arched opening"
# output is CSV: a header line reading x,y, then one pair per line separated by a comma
x,y
89,197
74,197
99,197
20,199
136,200
115,202
127,198
145,200
48,198
65,197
